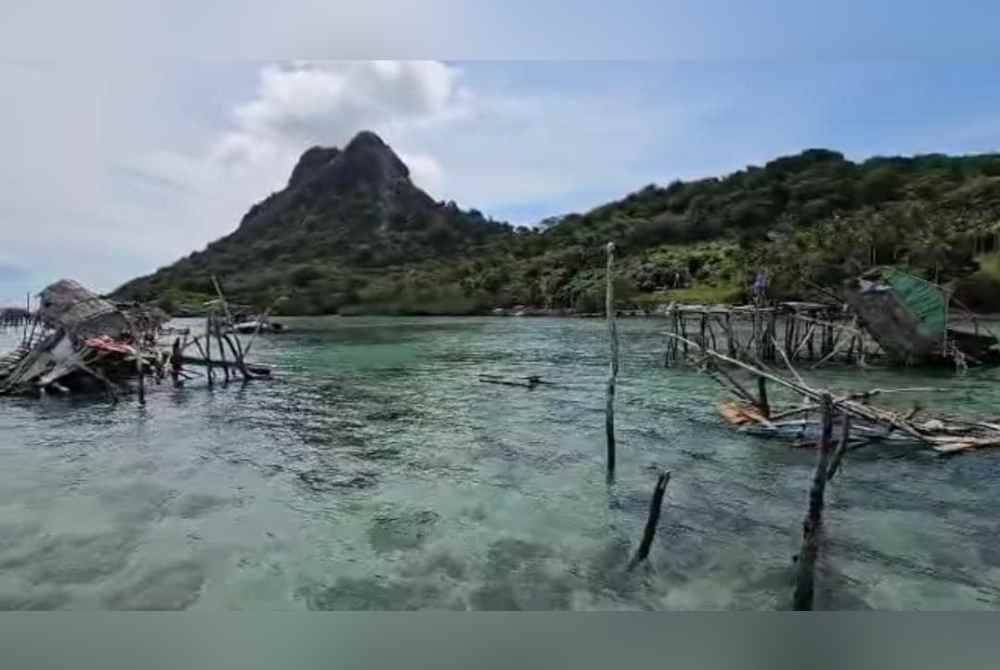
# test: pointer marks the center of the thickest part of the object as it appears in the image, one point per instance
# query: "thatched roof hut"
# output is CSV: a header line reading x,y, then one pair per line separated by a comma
x,y
69,306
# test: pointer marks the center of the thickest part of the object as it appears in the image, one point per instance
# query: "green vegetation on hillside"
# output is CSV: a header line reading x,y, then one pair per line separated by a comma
x,y
350,233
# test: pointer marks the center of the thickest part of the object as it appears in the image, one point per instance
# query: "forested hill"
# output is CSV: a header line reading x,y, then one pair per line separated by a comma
x,y
345,217
352,233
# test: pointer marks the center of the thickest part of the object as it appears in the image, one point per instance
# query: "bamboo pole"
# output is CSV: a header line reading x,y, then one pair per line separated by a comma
x,y
609,418
812,526
655,506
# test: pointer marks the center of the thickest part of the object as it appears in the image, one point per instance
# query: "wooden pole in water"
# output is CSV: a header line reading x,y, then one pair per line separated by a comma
x,y
175,361
671,346
655,505
762,403
730,344
222,355
789,326
208,349
683,322
812,526
838,455
138,367
609,305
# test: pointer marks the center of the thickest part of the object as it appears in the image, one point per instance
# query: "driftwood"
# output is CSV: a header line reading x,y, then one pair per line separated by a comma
x,y
655,505
531,381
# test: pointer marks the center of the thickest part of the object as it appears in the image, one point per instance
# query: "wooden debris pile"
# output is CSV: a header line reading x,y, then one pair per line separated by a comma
x,y
78,341
916,321
868,423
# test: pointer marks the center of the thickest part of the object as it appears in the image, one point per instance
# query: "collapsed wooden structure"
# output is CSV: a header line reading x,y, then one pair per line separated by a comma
x,y
813,332
78,341
869,424
915,321
887,316
810,421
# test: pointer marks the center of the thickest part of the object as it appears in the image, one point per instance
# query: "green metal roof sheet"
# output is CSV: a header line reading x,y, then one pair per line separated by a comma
x,y
925,300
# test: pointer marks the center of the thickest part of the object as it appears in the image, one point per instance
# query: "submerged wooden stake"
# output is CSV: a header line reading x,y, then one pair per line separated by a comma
x,y
812,526
609,418
652,520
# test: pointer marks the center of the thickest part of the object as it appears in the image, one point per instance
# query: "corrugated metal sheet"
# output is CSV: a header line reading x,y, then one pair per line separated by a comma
x,y
926,301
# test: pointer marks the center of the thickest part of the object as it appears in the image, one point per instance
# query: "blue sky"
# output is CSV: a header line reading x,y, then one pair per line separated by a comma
x,y
126,149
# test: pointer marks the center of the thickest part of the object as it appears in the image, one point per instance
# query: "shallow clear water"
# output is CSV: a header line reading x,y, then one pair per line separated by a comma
x,y
377,472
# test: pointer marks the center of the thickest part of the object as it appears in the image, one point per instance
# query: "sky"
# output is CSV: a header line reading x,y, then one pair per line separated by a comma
x,y
133,134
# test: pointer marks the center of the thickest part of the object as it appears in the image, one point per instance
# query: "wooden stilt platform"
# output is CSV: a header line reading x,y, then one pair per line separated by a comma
x,y
796,331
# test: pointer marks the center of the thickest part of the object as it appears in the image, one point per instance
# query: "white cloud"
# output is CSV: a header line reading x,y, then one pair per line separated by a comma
x,y
424,170
295,106
326,103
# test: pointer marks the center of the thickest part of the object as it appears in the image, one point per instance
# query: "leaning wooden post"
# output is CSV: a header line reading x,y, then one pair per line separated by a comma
x,y
609,305
812,526
651,521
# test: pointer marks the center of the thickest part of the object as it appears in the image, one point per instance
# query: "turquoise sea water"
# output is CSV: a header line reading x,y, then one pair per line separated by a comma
x,y
377,472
